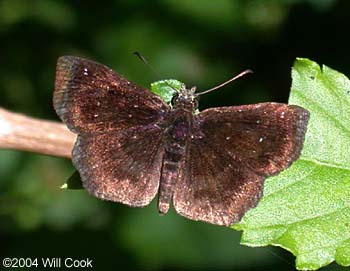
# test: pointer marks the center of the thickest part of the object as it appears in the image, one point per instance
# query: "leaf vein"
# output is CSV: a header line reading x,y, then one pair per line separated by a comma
x,y
288,224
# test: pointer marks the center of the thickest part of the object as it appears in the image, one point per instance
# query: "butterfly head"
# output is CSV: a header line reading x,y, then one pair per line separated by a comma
x,y
185,99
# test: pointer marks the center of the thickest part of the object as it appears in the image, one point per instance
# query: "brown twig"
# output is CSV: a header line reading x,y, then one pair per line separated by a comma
x,y
19,132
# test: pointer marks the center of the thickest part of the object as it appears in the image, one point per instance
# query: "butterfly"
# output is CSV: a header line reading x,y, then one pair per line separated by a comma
x,y
132,145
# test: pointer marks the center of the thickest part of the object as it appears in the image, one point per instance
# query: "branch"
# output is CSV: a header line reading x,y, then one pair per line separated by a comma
x,y
19,132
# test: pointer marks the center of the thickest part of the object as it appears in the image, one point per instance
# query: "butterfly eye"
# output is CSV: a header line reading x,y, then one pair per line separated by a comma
x,y
174,99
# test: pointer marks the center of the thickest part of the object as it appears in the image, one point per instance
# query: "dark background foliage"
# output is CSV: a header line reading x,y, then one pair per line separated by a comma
x,y
200,43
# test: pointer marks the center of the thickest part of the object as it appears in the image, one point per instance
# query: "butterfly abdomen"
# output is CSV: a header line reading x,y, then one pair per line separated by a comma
x,y
175,149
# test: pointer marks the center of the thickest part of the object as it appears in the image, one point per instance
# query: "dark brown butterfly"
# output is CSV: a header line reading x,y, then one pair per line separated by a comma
x,y
131,144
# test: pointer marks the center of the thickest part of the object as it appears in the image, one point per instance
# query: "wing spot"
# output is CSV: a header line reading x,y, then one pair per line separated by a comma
x,y
130,115
228,138
86,71
282,115
261,139
95,115
258,121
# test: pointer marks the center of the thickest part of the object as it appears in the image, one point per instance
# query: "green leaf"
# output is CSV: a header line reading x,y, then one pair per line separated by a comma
x,y
166,89
74,182
306,209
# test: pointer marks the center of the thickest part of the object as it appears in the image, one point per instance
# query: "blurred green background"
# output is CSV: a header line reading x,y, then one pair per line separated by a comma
x,y
201,43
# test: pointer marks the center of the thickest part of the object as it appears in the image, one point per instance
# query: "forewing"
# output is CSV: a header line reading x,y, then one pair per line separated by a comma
x,y
89,97
123,167
265,137
231,152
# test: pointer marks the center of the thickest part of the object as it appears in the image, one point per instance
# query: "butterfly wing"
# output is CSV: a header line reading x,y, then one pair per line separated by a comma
x,y
232,151
122,167
89,97
118,151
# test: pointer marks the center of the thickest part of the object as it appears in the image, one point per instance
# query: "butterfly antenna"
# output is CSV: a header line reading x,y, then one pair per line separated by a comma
x,y
144,60
225,83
